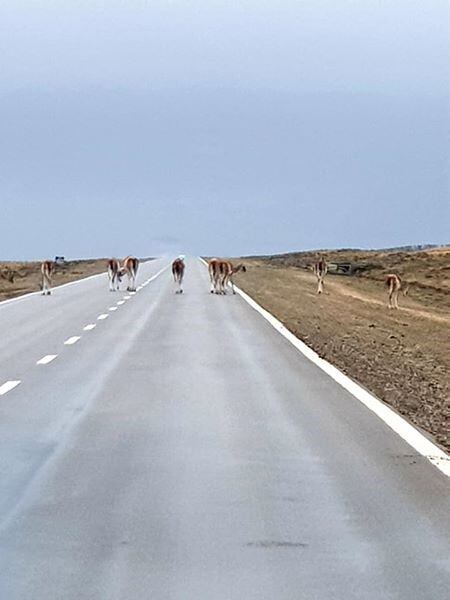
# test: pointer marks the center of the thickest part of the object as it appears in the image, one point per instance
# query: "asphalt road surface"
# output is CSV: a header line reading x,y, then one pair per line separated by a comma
x,y
182,449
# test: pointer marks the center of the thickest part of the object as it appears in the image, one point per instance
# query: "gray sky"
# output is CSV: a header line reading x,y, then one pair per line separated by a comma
x,y
222,127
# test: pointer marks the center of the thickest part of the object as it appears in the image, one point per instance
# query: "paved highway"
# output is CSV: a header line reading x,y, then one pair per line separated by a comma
x,y
182,449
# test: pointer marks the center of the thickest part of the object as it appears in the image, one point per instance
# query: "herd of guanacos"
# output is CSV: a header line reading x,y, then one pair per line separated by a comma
x,y
220,271
393,282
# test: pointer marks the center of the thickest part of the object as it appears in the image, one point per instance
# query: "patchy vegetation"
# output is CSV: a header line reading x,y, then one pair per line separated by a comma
x,y
427,272
17,278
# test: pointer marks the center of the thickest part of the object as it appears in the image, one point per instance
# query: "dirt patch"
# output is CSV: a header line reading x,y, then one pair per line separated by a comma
x,y
426,272
18,278
401,356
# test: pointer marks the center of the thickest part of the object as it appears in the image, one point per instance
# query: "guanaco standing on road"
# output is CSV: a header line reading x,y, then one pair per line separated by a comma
x,y
221,274
178,268
130,269
114,274
227,270
47,270
213,270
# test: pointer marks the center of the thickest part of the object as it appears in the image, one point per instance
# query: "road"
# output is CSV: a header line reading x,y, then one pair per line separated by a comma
x,y
182,449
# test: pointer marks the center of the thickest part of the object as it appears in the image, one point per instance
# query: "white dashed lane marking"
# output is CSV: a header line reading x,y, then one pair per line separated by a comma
x,y
72,340
8,386
45,360
48,358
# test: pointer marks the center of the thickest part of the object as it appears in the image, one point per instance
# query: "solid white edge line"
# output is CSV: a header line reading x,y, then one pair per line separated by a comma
x,y
412,436
45,360
58,287
72,340
8,386
90,327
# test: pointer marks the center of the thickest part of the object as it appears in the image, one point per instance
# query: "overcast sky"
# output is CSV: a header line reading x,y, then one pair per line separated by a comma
x,y
222,127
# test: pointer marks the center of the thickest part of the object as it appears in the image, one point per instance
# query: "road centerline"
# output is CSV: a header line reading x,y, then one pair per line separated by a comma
x,y
72,340
8,386
45,360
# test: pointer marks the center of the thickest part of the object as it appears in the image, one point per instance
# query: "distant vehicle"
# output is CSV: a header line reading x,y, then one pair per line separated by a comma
x,y
346,268
60,261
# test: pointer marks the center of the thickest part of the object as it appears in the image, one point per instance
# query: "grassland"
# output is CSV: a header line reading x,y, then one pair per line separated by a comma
x,y
18,278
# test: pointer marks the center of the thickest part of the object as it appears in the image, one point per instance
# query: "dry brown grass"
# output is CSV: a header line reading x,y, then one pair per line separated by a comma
x,y
26,276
